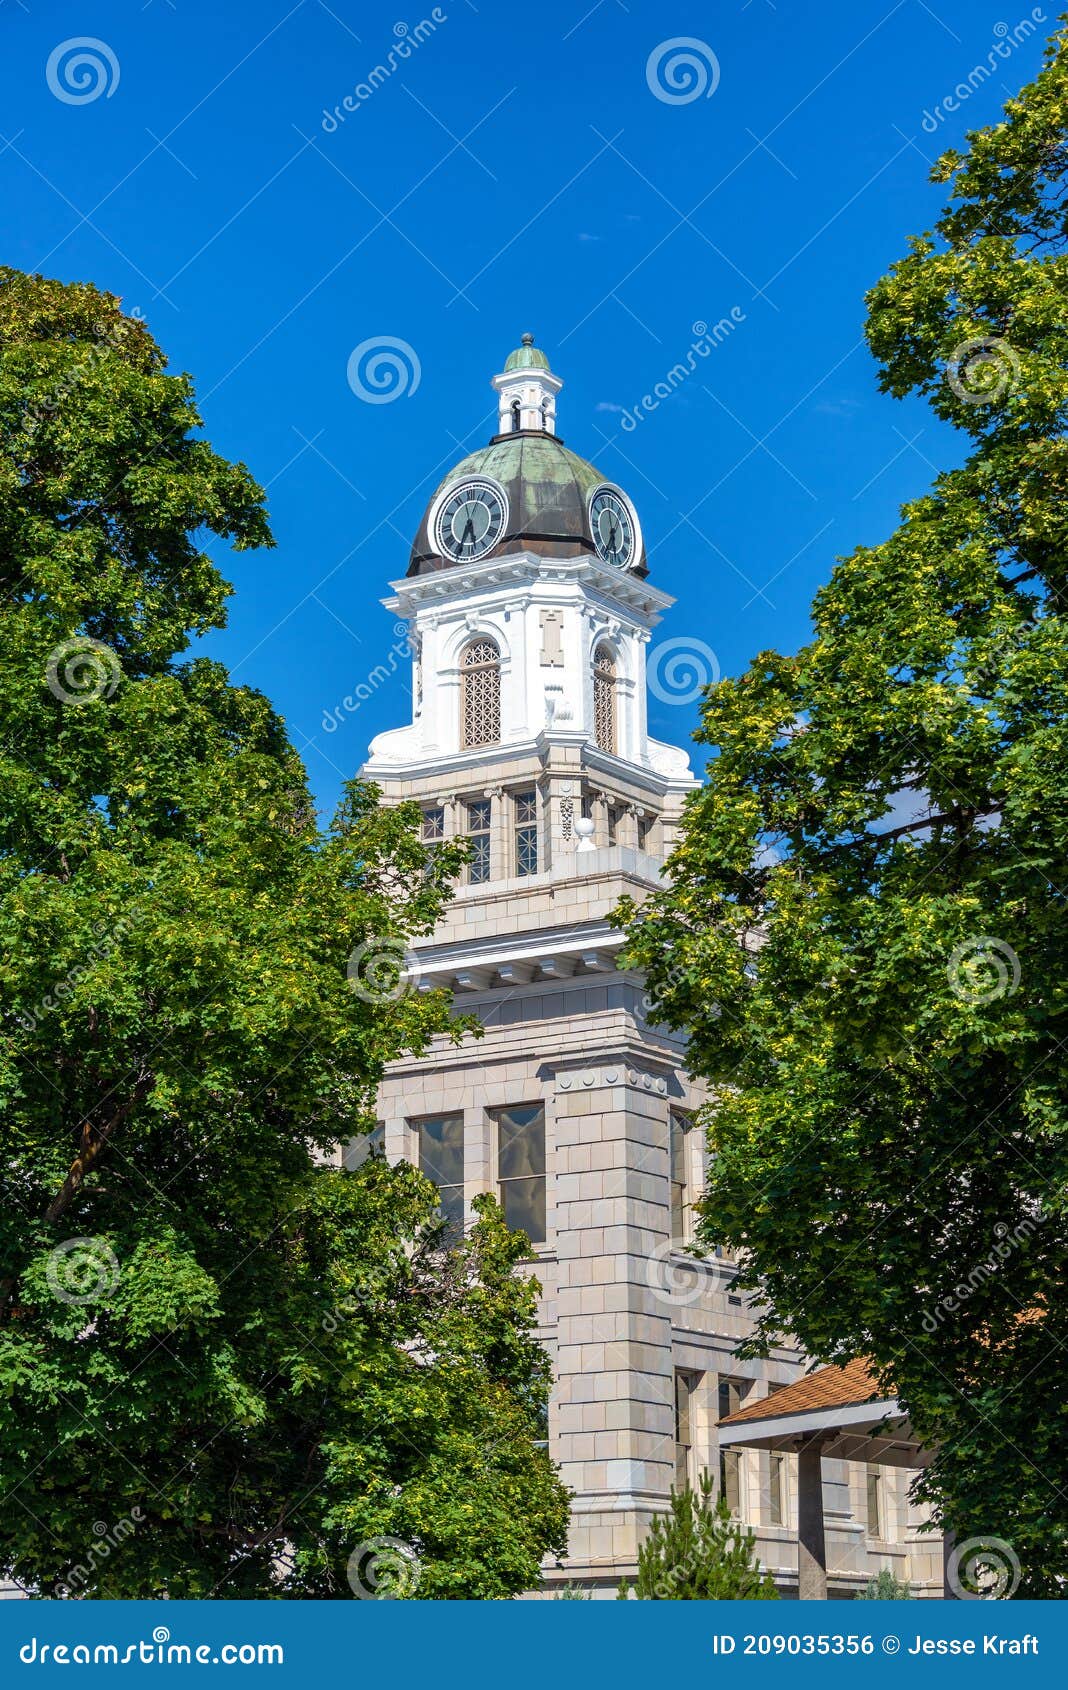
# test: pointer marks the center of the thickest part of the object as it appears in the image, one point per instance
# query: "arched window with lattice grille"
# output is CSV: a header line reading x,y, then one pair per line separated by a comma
x,y
480,704
604,698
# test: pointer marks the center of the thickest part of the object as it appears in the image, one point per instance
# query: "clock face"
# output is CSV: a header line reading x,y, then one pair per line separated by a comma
x,y
471,520
613,528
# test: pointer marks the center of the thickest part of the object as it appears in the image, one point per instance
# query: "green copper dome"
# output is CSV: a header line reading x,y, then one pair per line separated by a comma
x,y
548,490
526,357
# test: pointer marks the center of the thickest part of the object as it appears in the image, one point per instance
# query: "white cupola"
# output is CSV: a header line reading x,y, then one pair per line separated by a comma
x,y
526,392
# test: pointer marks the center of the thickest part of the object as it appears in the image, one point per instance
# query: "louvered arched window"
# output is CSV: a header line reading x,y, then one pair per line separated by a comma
x,y
480,694
604,698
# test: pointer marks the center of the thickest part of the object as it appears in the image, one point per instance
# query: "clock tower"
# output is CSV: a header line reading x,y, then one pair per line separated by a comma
x,y
529,612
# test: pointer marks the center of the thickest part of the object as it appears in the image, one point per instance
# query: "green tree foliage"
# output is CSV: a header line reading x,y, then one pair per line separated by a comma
x,y
698,1552
886,1587
866,933
224,1364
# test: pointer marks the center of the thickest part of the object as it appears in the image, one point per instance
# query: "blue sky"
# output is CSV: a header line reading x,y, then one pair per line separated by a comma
x,y
515,171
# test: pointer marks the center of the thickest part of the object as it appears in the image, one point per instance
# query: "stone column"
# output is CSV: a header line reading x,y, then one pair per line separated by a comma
x,y
500,833
811,1544
615,1420
599,813
562,809
628,828
479,1169
950,1592
441,698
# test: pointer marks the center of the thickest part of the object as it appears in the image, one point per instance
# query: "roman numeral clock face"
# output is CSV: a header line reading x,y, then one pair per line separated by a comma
x,y
613,528
471,520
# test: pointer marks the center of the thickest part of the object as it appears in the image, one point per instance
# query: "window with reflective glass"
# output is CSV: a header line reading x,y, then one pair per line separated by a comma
x,y
358,1150
441,1158
521,1168
776,1488
679,1126
731,1393
874,1500
685,1385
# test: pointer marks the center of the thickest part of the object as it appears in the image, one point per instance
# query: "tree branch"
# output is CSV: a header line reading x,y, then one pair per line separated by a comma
x,y
93,1143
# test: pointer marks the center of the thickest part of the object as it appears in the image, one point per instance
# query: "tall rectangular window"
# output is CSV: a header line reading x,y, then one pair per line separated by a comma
x,y
685,1385
478,831
678,1127
875,1502
359,1150
521,1168
526,833
776,1488
441,1158
432,831
730,1479
731,1392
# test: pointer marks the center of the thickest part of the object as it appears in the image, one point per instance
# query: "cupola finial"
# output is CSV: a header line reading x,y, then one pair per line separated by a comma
x,y
526,391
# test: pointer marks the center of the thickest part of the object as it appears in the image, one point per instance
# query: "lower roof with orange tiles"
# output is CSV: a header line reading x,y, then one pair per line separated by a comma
x,y
829,1387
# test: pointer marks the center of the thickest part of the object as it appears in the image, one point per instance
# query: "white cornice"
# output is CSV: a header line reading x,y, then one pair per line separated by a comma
x,y
615,587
